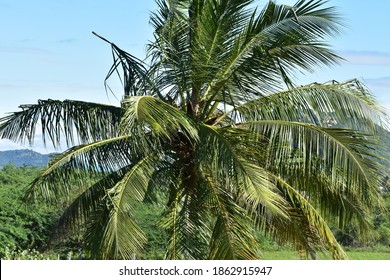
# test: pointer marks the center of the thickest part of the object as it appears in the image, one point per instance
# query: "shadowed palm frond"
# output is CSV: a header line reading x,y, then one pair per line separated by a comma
x,y
80,209
62,120
134,74
345,154
226,165
122,236
91,160
307,228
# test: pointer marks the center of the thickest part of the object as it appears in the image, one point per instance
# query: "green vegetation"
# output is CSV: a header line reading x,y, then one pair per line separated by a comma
x,y
368,254
28,232
214,132
22,227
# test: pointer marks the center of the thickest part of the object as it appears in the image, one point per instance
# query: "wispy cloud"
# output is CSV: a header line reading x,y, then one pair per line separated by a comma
x,y
9,145
5,5
24,50
67,41
380,87
366,57
37,145
383,81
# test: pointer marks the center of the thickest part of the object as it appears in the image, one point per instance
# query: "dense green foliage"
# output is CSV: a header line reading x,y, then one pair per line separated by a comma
x,y
30,232
22,226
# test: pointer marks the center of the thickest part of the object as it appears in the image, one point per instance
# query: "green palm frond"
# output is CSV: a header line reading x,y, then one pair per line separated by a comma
x,y
187,213
134,74
274,42
343,153
122,236
114,235
157,116
230,169
90,160
314,221
331,104
171,75
88,202
68,119
231,237
184,220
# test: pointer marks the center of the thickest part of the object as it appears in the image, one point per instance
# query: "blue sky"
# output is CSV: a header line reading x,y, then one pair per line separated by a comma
x,y
47,49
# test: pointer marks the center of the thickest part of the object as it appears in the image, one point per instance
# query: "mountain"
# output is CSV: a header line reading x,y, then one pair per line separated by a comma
x,y
23,157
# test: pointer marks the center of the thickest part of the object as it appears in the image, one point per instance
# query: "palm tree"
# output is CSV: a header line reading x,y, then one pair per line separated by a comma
x,y
213,127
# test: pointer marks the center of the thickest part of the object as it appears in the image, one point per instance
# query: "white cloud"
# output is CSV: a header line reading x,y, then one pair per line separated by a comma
x,y
386,106
9,145
37,146
366,57
383,82
380,87
67,41
25,50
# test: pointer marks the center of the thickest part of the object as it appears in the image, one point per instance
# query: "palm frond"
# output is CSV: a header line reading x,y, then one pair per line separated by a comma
x,y
202,130
171,74
315,224
187,214
122,236
185,220
227,166
89,160
80,209
134,76
348,104
232,238
59,120
274,42
156,116
343,154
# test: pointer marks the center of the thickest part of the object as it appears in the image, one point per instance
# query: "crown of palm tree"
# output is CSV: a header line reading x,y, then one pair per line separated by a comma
x,y
213,126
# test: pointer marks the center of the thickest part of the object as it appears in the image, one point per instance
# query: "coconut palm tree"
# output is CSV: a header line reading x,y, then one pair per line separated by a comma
x,y
212,126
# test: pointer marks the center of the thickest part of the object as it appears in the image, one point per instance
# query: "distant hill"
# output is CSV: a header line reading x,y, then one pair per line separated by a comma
x,y
22,157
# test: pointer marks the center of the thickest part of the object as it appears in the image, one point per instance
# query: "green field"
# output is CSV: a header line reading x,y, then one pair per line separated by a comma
x,y
383,254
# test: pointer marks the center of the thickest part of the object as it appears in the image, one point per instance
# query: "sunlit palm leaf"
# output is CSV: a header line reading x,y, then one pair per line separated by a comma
x,y
275,39
159,117
332,104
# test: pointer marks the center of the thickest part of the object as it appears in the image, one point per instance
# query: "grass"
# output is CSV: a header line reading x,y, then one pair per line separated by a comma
x,y
379,253
353,254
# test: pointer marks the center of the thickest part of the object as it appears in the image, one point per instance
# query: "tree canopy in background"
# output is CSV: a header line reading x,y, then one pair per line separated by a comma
x,y
22,227
212,127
